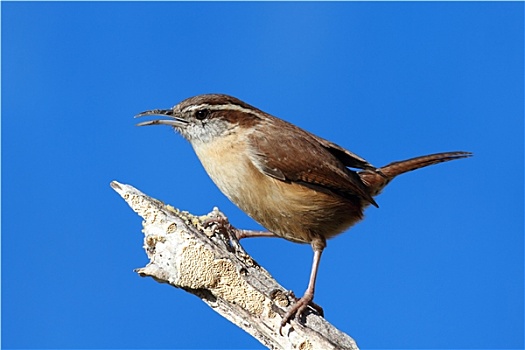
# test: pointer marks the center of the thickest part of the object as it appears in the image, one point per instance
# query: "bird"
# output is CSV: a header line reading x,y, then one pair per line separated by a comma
x,y
297,185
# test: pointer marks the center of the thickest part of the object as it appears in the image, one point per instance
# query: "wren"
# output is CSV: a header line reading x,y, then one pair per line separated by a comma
x,y
297,185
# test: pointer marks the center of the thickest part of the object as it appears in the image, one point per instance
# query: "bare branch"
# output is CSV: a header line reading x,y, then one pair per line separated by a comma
x,y
207,264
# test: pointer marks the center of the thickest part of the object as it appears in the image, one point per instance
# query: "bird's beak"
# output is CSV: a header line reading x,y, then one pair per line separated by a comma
x,y
174,121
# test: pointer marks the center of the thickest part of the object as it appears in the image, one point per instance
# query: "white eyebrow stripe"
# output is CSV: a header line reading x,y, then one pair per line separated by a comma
x,y
222,107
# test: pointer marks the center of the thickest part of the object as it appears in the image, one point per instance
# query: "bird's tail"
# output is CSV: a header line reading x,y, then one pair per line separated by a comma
x,y
377,180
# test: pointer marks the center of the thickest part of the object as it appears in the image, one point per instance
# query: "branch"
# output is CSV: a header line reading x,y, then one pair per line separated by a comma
x,y
216,269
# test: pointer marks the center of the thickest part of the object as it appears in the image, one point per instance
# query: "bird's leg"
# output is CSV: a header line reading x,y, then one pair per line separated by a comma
x,y
234,234
297,309
250,233
224,224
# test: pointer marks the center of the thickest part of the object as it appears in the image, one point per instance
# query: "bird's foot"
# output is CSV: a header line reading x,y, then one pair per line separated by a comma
x,y
299,307
227,231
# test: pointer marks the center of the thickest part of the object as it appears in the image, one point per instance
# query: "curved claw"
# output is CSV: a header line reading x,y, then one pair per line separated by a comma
x,y
298,309
228,231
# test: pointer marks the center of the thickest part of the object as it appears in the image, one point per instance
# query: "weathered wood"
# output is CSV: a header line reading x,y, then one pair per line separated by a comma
x,y
214,267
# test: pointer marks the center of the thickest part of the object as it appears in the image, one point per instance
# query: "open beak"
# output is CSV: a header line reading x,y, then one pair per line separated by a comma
x,y
173,121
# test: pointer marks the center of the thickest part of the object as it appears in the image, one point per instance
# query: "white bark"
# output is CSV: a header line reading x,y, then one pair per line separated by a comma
x,y
205,263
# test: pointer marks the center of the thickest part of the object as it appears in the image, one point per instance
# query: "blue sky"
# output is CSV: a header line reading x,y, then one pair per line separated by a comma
x,y
438,265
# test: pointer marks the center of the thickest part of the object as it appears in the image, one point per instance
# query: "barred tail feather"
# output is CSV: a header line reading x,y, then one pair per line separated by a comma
x,y
378,179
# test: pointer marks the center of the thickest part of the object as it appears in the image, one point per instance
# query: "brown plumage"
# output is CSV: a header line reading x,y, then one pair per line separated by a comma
x,y
375,181
297,185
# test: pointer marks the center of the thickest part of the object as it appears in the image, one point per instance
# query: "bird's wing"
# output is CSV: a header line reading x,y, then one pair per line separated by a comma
x,y
346,157
297,159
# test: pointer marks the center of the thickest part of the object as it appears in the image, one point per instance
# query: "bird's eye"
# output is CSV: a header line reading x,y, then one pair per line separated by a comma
x,y
201,114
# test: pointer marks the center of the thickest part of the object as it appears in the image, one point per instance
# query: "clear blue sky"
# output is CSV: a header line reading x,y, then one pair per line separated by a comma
x,y
438,265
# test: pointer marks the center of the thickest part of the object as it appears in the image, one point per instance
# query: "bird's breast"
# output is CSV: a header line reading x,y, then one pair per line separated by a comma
x,y
287,209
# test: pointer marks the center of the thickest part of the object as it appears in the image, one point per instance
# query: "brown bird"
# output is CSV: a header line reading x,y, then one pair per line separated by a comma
x,y
295,184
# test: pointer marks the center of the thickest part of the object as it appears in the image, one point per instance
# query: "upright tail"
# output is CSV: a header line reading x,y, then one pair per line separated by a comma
x,y
377,180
